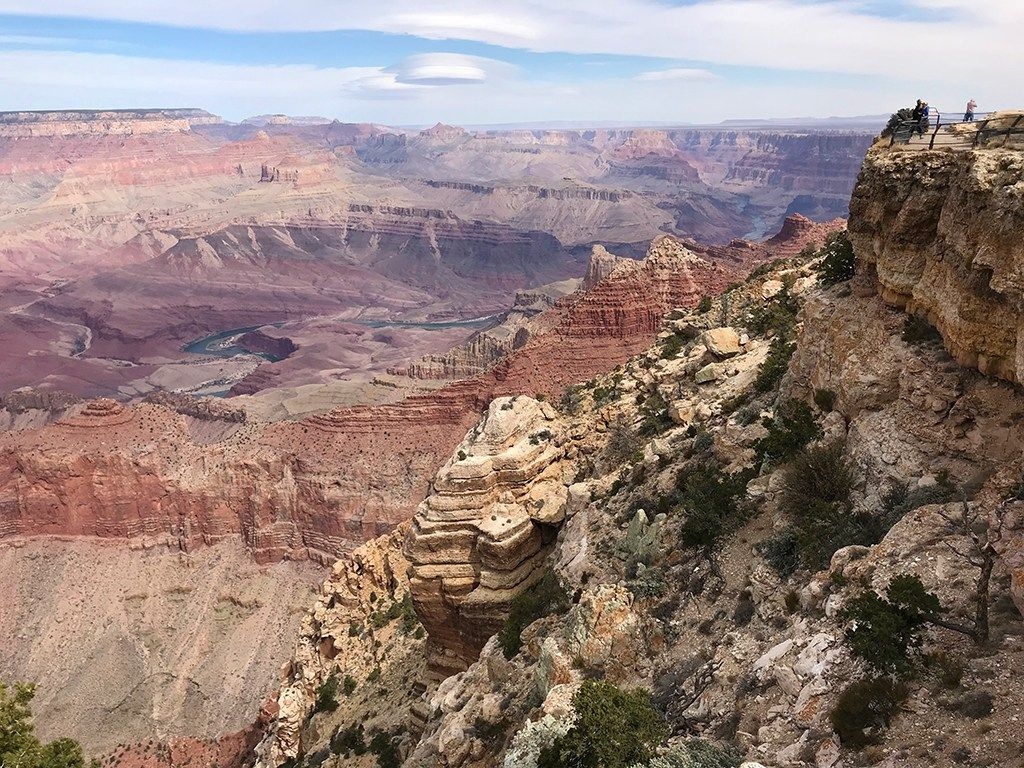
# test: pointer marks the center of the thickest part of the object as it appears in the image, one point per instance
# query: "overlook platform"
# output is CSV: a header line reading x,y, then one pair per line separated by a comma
x,y
993,130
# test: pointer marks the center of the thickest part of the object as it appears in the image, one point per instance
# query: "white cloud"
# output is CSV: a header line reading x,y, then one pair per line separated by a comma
x,y
497,28
973,52
979,40
677,73
445,69
417,74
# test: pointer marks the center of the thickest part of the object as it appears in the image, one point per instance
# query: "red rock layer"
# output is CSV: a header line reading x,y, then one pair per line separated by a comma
x,y
317,487
233,750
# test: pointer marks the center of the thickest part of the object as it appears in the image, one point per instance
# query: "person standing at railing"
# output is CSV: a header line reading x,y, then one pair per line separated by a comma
x,y
969,114
916,114
923,123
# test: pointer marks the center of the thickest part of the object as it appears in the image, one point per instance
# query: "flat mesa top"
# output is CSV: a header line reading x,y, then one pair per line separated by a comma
x,y
60,115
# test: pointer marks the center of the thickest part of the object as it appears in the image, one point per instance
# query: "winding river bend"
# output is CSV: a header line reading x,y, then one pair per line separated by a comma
x,y
225,343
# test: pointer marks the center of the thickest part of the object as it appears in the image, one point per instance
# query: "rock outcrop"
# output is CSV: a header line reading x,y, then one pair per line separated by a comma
x,y
692,573
342,636
483,535
941,230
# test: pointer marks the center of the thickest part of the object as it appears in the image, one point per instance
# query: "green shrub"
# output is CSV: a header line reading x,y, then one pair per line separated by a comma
x,y
571,401
819,473
748,414
704,305
775,364
672,346
900,501
19,746
782,552
374,675
614,729
917,330
823,528
733,404
409,618
886,632
348,687
792,602
816,487
777,316
838,262
327,695
975,705
349,741
709,498
386,749
745,609
546,597
947,670
865,709
703,441
654,411
790,429
623,441
825,399
543,435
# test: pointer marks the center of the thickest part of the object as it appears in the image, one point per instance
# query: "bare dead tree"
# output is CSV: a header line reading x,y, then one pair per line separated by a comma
x,y
982,536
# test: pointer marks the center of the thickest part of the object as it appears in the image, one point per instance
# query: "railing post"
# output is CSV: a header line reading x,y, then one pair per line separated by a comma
x,y
1009,131
938,122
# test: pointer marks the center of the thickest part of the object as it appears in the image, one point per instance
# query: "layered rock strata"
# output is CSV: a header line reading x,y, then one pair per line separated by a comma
x,y
319,486
20,125
483,535
941,230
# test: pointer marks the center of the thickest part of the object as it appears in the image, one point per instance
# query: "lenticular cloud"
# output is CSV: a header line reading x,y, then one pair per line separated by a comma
x,y
442,69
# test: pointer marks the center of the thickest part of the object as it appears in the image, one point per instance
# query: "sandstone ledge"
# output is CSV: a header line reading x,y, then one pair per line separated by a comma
x,y
484,534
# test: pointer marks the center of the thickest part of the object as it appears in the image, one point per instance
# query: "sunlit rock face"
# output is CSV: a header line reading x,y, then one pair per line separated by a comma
x,y
942,232
483,535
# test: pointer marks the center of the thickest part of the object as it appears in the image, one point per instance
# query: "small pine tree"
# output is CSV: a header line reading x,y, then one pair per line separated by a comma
x,y
886,632
19,746
838,262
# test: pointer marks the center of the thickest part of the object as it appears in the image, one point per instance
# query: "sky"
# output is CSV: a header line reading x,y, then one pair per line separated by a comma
x,y
467,62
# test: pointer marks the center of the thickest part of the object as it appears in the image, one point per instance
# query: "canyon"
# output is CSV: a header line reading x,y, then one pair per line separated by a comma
x,y
358,297
127,236
656,527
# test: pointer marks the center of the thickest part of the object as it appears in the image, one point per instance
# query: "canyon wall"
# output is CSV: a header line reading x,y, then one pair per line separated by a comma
x,y
941,231
125,122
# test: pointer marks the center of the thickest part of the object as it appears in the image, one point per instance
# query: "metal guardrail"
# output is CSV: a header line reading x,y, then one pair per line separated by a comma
x,y
940,133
